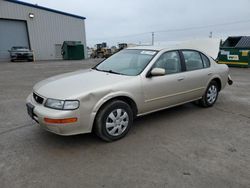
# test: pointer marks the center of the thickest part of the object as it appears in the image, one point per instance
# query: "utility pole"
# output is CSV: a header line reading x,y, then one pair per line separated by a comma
x,y
211,35
153,38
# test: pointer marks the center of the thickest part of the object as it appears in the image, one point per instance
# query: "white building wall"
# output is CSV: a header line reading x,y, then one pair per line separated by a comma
x,y
46,29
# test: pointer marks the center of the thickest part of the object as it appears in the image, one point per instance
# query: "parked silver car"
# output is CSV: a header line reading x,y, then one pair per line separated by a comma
x,y
21,53
134,82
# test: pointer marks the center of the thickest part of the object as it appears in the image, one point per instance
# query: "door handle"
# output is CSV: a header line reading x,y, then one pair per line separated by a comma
x,y
181,78
209,74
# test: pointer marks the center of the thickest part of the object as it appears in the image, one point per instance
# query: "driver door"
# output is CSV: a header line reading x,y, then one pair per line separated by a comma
x,y
167,90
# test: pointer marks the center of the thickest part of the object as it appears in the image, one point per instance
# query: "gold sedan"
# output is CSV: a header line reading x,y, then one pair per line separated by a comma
x,y
134,82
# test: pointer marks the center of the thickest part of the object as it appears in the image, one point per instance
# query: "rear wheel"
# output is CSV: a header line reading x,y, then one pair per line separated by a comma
x,y
114,121
210,96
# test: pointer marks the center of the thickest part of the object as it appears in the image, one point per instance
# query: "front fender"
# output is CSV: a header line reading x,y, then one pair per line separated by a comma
x,y
105,99
108,97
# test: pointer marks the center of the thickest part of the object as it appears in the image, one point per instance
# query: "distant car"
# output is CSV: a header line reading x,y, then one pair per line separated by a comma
x,y
21,53
134,82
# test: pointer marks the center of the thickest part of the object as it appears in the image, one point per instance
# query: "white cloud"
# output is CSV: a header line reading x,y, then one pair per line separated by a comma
x,y
107,20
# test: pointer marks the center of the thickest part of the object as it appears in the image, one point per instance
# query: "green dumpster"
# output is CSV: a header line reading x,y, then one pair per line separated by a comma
x,y
235,51
72,50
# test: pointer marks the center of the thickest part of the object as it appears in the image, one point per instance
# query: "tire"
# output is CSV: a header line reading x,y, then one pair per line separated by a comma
x,y
113,121
210,96
100,55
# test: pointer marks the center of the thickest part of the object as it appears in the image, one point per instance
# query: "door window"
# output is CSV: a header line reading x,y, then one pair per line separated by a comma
x,y
206,61
193,60
170,61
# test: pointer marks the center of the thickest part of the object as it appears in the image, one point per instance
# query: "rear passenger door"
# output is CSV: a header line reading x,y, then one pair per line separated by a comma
x,y
196,74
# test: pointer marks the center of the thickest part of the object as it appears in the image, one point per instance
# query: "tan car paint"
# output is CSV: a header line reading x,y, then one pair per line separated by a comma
x,y
93,89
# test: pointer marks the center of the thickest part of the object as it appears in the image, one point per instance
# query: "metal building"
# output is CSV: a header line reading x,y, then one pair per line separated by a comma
x,y
41,29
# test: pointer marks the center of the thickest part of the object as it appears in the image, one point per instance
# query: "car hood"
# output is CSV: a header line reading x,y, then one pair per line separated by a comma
x,y
73,85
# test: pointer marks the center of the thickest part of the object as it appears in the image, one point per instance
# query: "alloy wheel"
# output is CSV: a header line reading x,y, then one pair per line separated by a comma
x,y
212,94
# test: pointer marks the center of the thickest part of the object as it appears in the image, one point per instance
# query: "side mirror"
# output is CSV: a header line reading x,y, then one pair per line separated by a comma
x,y
157,72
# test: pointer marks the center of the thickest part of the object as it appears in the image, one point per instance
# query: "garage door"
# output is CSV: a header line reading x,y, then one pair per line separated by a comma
x,y
12,33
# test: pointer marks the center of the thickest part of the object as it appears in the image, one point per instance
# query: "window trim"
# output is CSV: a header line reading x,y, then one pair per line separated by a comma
x,y
200,53
204,62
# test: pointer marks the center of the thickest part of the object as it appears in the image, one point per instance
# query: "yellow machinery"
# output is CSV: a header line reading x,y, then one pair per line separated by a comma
x,y
101,51
122,46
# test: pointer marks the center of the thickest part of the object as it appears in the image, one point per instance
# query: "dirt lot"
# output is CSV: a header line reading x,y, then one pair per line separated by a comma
x,y
186,146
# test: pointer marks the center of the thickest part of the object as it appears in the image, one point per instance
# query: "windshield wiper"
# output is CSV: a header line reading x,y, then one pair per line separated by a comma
x,y
95,68
109,71
113,72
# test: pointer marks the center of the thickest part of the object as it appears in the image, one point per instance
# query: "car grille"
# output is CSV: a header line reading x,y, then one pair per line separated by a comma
x,y
38,99
22,55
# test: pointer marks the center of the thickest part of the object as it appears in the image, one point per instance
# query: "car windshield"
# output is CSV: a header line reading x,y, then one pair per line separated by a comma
x,y
20,48
127,62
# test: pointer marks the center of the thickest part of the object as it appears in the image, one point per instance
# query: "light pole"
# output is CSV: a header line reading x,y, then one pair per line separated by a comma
x,y
211,34
153,38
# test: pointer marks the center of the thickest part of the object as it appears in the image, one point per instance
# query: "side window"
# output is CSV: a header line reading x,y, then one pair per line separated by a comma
x,y
170,61
206,61
193,60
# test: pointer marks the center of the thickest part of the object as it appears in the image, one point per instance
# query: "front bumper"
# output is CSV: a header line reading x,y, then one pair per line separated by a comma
x,y
21,57
39,112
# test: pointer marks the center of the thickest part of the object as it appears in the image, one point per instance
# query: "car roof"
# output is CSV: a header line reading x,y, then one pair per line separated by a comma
x,y
166,47
156,48
169,48
210,47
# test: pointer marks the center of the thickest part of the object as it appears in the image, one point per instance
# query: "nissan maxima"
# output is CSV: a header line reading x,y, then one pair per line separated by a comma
x,y
134,82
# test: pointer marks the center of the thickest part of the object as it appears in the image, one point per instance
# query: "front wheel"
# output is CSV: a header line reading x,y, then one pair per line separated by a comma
x,y
100,55
210,96
113,121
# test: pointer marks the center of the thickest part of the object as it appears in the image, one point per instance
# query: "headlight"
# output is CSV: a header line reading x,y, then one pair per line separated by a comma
x,y
71,105
62,105
53,103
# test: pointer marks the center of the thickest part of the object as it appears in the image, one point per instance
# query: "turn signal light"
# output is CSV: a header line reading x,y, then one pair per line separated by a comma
x,y
60,121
